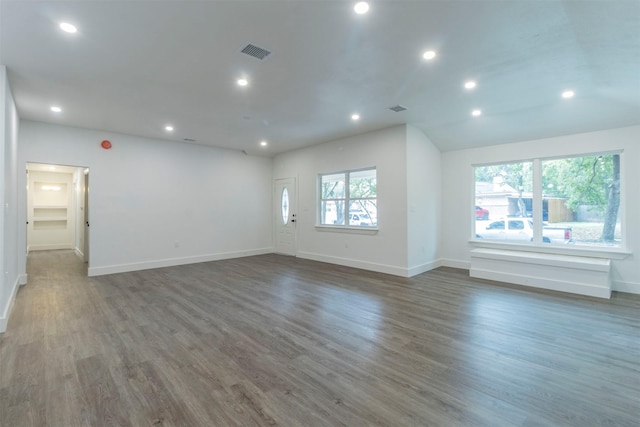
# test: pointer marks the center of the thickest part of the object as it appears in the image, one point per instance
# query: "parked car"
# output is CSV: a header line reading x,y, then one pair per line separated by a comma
x,y
481,213
521,229
359,218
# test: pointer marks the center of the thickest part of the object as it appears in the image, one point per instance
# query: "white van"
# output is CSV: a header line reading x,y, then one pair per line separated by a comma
x,y
361,219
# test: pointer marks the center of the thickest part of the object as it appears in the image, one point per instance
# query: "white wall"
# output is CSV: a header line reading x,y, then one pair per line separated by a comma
x,y
457,189
424,200
11,274
389,151
156,203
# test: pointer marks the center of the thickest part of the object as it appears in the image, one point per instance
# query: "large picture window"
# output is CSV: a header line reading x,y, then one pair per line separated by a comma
x,y
572,200
349,198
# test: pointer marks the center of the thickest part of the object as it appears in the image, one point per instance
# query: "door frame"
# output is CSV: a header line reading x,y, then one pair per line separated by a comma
x,y
293,214
23,200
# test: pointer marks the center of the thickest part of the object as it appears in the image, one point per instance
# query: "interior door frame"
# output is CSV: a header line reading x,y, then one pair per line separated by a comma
x,y
85,225
24,215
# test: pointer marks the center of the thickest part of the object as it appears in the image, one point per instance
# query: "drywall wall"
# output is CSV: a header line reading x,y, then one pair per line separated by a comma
x,y
11,273
156,203
423,202
457,191
384,251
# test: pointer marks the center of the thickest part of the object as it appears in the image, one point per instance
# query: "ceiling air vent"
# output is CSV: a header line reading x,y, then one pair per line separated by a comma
x,y
190,140
255,51
397,108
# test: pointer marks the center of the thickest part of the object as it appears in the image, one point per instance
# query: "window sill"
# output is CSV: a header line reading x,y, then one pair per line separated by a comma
x,y
348,230
594,252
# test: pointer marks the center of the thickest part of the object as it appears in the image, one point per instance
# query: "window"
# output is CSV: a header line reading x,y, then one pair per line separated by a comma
x,y
497,225
349,199
576,201
517,225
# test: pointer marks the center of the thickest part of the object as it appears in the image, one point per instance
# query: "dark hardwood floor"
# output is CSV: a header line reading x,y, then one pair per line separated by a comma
x,y
274,340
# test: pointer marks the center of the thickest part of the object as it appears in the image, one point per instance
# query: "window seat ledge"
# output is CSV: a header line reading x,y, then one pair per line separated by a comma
x,y
566,261
565,273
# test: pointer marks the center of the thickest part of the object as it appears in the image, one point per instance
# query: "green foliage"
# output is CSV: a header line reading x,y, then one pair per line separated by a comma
x,y
516,175
363,187
581,180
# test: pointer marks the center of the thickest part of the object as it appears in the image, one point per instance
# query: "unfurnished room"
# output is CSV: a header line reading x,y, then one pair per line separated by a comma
x,y
320,213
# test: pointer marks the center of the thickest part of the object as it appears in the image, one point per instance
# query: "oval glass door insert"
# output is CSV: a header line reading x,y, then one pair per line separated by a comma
x,y
285,205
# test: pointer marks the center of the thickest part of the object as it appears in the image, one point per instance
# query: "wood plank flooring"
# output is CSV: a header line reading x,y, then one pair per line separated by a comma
x,y
279,341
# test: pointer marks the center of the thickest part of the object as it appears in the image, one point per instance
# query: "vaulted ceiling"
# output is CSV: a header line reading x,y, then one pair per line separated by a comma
x,y
135,67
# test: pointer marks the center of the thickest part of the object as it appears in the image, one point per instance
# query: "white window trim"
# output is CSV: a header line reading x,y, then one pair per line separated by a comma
x,y
545,248
347,229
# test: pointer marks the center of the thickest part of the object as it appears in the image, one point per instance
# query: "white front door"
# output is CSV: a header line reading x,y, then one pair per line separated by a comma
x,y
285,216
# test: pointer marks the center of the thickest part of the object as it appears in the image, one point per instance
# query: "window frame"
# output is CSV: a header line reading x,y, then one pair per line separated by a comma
x,y
603,251
363,229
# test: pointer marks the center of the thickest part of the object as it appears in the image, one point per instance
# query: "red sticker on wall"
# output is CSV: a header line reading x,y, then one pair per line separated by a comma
x,y
105,144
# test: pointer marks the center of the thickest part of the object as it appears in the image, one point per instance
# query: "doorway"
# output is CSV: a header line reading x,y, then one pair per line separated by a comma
x,y
285,205
58,208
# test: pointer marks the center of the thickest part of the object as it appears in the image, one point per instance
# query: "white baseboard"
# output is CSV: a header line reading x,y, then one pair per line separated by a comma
x,y
628,287
423,268
371,266
79,252
33,248
363,265
123,268
454,263
6,310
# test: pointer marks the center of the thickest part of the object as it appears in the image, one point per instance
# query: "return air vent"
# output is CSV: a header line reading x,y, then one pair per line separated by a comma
x,y
397,108
255,51
189,140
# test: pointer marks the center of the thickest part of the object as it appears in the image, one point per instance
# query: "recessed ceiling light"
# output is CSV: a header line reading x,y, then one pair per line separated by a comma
x,y
168,128
355,117
361,7
56,109
476,113
429,54
568,94
469,84
242,82
68,28
263,143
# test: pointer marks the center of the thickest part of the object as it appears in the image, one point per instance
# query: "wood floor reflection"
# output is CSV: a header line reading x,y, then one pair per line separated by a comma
x,y
274,340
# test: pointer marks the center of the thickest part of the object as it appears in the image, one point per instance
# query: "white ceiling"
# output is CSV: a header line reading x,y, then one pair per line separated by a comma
x,y
135,66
